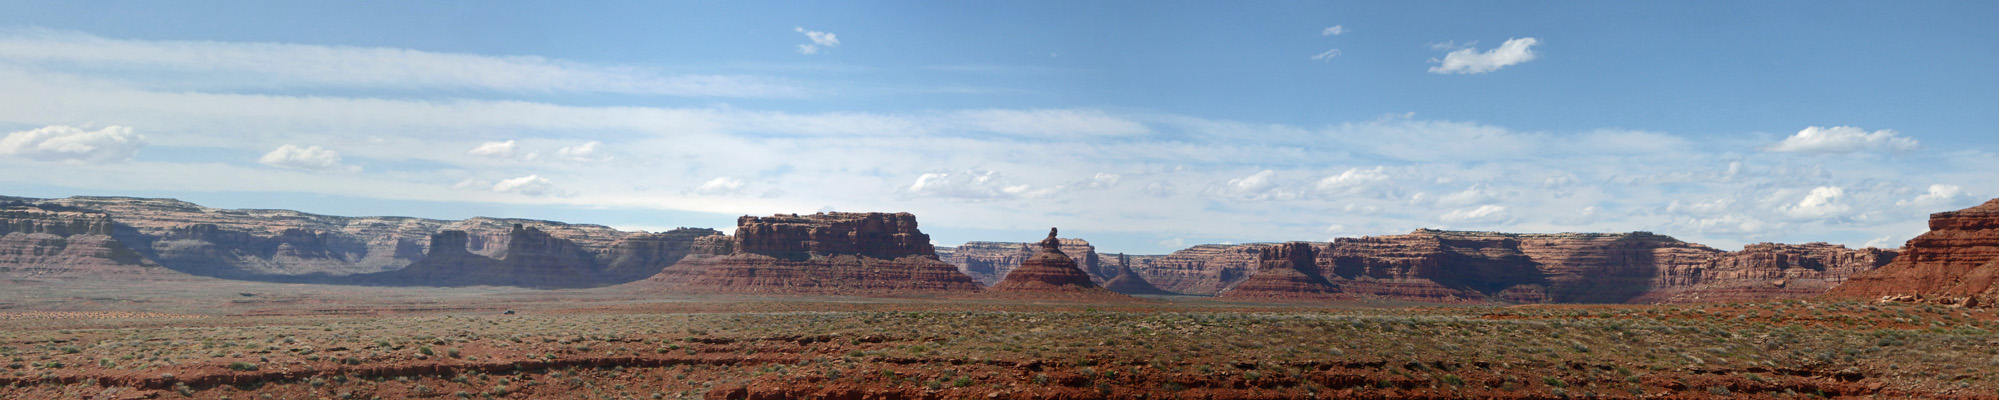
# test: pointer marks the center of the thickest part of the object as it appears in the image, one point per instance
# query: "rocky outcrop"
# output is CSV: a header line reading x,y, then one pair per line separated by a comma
x,y
643,255
292,246
824,253
1764,271
1130,282
1637,267
1956,262
1201,270
1456,266
1049,270
38,242
989,262
1286,271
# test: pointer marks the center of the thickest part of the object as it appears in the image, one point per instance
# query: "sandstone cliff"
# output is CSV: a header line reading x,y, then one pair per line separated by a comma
x,y
989,262
1128,281
40,242
1201,270
1454,266
292,246
1956,262
1049,270
825,253
1286,271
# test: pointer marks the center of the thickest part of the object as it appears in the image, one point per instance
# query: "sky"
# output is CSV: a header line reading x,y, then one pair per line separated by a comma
x,y
1143,127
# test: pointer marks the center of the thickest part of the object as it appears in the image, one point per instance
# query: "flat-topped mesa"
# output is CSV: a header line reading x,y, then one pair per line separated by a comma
x,y
794,237
1285,271
1048,270
824,253
531,258
1956,262
1129,282
40,241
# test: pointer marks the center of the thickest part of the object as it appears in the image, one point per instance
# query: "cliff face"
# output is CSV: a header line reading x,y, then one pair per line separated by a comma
x,y
531,258
1287,271
989,262
825,253
1956,262
291,246
57,242
1450,266
1128,281
1201,270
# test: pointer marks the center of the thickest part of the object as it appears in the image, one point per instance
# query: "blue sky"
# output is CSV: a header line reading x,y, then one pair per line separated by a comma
x,y
1141,126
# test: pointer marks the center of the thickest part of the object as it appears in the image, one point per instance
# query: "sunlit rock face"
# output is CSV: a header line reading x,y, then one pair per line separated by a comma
x,y
1956,262
824,253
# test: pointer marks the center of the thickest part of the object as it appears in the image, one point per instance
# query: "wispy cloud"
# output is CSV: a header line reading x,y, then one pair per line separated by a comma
x,y
819,39
1471,61
1333,30
307,158
1843,139
285,65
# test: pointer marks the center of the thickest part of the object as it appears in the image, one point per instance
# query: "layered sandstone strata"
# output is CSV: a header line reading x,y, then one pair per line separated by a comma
x,y
989,262
1203,269
1956,262
1456,266
1286,271
292,246
1130,282
824,253
1048,270
41,242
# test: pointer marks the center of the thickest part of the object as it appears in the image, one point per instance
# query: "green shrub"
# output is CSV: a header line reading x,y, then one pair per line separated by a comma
x,y
242,366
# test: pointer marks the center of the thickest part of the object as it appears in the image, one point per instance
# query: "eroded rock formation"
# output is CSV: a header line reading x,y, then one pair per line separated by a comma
x,y
1130,282
1454,266
824,253
292,246
989,262
1201,270
1956,262
1286,271
1049,270
38,242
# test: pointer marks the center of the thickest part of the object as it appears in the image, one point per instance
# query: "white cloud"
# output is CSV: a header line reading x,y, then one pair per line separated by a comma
x,y
1333,30
1884,242
818,38
582,152
1485,214
531,185
505,149
308,158
1103,180
1371,182
1940,197
1257,186
1471,61
1843,139
1326,55
1473,195
300,65
1822,202
721,185
971,185
72,144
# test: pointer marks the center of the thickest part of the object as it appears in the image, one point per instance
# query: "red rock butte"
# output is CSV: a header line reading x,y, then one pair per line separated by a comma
x,y
1285,272
1956,262
824,253
1049,270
